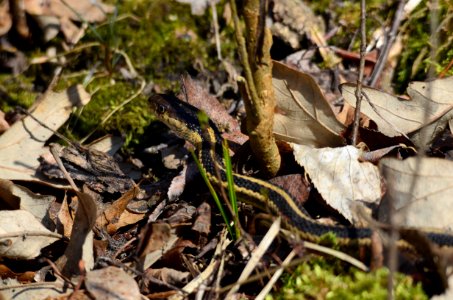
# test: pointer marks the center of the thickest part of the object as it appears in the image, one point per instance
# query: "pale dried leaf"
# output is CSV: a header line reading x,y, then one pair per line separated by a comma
x,y
112,283
395,117
22,236
339,176
78,10
24,199
45,290
439,90
170,276
22,144
303,115
421,190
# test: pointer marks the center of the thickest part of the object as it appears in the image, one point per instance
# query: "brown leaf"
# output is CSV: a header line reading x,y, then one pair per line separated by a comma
x,y
80,245
65,219
198,96
202,223
5,18
153,237
303,115
112,213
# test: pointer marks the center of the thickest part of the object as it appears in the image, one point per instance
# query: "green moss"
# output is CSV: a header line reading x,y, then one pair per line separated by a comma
x,y
17,91
415,61
319,279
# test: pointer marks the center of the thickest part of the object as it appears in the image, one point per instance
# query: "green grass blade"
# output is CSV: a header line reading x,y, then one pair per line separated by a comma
x,y
214,195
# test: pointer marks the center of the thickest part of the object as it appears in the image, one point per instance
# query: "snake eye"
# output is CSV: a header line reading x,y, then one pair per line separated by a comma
x,y
160,108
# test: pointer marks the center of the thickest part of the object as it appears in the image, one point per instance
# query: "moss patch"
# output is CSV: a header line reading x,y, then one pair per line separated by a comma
x,y
319,279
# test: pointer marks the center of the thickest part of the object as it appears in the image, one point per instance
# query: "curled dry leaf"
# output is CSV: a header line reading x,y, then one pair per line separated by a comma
x,y
421,191
340,177
22,236
112,283
303,115
116,216
394,116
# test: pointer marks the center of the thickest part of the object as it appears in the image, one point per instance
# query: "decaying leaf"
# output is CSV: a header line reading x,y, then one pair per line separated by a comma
x,y
112,283
22,144
303,115
395,116
22,236
421,191
339,176
96,169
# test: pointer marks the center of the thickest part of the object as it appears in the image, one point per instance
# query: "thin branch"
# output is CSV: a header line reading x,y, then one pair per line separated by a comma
x,y
358,91
379,67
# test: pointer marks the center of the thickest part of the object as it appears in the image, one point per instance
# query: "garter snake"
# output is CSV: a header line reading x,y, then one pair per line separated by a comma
x,y
182,118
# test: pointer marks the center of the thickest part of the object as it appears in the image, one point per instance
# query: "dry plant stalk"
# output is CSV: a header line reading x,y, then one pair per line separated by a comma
x,y
260,99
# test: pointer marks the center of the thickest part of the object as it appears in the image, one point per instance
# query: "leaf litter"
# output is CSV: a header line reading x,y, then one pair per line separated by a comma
x,y
109,248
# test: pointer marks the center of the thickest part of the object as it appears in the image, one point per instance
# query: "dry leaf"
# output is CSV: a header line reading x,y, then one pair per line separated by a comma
x,y
45,290
77,10
199,96
421,190
114,210
303,115
22,144
155,240
394,116
80,245
167,275
112,283
340,177
3,124
22,236
65,219
202,223
5,18
24,199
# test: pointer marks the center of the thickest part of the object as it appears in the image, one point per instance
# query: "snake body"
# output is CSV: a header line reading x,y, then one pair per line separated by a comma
x,y
183,119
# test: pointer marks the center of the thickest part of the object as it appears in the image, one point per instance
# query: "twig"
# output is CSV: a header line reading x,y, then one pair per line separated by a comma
x,y
358,91
216,29
379,67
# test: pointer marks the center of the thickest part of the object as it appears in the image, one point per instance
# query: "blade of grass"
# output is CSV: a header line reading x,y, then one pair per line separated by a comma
x,y
214,194
231,190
